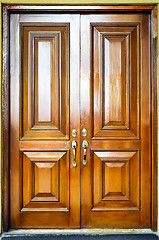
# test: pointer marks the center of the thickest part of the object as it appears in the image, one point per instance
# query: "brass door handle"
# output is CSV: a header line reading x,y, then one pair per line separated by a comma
x,y
74,146
85,146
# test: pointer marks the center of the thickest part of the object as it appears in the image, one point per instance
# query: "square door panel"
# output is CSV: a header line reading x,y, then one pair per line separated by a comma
x,y
46,181
45,82
116,75
116,180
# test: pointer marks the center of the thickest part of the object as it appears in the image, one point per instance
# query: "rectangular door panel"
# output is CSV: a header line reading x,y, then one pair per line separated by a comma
x,y
115,110
116,83
116,185
45,93
46,181
44,84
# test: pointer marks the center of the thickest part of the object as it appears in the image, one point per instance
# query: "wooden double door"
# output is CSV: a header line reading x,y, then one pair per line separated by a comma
x,y
73,72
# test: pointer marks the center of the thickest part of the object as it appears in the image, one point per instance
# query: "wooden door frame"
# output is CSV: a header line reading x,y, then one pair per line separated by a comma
x,y
7,10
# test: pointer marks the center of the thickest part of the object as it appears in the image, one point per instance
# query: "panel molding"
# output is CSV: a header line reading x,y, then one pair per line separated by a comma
x,y
115,114
116,185
54,38
58,126
45,181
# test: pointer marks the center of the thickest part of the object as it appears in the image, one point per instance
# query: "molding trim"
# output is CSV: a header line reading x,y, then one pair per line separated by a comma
x,y
154,50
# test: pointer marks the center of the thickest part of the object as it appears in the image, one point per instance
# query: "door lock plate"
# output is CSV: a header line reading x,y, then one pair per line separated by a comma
x,y
74,132
84,132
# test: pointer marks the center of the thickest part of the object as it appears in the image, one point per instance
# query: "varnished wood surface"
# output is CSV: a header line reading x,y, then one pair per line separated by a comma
x,y
154,120
5,123
81,7
57,126
118,189
44,184
114,53
126,143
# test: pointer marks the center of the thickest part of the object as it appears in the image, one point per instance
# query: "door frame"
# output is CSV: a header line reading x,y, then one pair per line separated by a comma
x,y
10,8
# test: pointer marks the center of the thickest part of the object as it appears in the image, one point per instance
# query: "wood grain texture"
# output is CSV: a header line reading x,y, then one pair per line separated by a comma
x,y
15,156
95,145
154,120
44,87
79,8
116,190
115,103
145,120
115,181
46,180
5,122
43,186
43,117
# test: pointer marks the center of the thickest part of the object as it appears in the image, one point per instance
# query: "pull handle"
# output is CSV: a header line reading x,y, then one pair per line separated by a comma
x,y
85,154
85,146
74,146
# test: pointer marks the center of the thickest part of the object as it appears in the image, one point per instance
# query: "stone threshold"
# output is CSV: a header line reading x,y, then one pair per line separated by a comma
x,y
94,231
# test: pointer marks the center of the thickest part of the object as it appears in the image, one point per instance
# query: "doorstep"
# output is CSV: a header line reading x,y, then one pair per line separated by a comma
x,y
80,234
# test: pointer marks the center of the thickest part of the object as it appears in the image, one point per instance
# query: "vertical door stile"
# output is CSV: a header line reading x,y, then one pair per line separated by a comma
x,y
75,117
14,119
86,118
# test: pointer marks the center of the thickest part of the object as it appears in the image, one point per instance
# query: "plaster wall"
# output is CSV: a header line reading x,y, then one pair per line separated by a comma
x,y
53,2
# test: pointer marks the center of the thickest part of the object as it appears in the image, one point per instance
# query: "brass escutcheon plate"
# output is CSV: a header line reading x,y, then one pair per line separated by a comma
x,y
84,132
74,132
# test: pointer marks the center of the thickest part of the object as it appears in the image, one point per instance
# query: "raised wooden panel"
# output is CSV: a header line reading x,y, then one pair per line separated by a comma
x,y
116,84
45,181
114,88
44,80
45,88
116,180
116,190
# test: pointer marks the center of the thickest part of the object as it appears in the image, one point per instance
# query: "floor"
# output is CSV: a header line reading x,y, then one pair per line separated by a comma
x,y
78,235
84,237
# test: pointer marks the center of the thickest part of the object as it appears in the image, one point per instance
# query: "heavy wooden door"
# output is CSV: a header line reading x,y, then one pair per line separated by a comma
x,y
108,56
115,110
44,108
